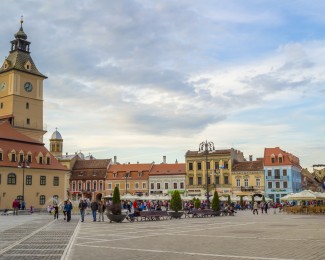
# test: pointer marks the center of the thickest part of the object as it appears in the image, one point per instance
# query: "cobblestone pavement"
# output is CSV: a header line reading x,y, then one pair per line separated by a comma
x,y
245,236
34,237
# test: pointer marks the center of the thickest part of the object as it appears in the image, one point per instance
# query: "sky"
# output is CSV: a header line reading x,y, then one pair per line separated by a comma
x,y
145,79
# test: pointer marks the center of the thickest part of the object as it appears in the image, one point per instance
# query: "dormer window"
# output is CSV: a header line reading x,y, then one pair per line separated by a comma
x,y
48,160
6,65
280,158
40,160
114,175
139,174
28,65
13,156
273,158
21,157
29,158
1,155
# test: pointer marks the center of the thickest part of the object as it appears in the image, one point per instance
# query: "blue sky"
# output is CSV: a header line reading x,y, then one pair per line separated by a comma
x,y
144,79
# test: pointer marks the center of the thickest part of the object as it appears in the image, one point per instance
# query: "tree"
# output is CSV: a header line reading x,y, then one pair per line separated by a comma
x,y
176,201
241,201
215,202
116,207
197,203
229,200
263,199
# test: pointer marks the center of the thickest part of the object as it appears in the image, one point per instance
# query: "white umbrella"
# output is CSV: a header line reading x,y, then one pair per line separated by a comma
x,y
305,195
247,198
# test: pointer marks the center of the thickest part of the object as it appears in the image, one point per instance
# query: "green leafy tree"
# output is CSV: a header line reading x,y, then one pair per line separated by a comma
x,y
241,201
263,199
197,203
176,201
116,207
229,200
215,202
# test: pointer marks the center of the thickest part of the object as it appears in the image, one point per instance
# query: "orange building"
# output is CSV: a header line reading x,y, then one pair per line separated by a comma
x,y
130,178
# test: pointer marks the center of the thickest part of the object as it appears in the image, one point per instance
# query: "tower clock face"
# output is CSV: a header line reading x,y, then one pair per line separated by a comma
x,y
28,86
2,86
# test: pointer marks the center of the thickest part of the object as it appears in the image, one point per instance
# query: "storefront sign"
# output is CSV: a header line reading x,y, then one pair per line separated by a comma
x,y
278,190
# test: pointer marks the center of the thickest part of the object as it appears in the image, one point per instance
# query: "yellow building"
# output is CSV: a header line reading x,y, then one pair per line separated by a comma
x,y
42,179
248,178
217,164
21,89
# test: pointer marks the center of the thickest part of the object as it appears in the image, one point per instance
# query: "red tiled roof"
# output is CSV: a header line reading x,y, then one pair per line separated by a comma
x,y
19,142
10,133
91,164
248,166
139,171
168,169
139,167
94,169
288,158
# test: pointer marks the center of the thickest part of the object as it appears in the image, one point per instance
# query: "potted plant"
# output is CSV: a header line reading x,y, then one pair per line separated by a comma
x,y
114,212
197,203
215,205
176,205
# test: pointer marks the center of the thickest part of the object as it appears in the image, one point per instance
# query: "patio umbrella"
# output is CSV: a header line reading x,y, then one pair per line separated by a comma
x,y
305,195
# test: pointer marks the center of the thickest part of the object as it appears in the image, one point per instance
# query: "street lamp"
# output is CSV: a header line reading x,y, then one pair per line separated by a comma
x,y
23,164
126,182
206,147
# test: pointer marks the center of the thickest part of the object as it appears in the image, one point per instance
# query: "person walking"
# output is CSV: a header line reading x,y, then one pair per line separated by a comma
x,y
255,208
82,208
101,210
94,208
262,207
266,206
63,210
56,211
68,208
15,206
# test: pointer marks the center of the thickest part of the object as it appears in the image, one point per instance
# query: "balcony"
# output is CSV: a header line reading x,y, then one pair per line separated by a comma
x,y
247,188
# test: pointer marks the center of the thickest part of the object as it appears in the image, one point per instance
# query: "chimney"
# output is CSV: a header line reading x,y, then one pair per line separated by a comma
x,y
114,159
164,159
176,161
251,158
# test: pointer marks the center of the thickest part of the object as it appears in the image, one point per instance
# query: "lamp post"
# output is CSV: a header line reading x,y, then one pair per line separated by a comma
x,y
206,147
23,164
126,182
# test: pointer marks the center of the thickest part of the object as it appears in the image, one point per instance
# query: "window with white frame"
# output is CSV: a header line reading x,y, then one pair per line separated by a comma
x,y
246,182
101,185
95,185
117,185
175,185
152,186
238,182
109,186
79,185
144,185
166,185
128,185
88,186
136,185
158,186
73,186
182,185
258,182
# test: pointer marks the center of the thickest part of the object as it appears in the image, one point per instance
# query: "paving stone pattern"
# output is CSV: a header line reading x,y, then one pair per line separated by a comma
x,y
245,236
49,240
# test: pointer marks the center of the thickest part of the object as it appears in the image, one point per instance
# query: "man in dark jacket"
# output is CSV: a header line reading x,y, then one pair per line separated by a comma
x,y
94,208
68,208
82,208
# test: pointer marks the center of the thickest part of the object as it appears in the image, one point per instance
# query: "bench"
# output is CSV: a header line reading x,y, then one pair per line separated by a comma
x,y
153,215
204,213
7,213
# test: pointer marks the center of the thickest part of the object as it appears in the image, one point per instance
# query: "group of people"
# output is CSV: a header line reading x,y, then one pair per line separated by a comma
x,y
95,206
263,206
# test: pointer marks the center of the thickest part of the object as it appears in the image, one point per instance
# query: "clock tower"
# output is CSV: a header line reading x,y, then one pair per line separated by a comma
x,y
21,89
